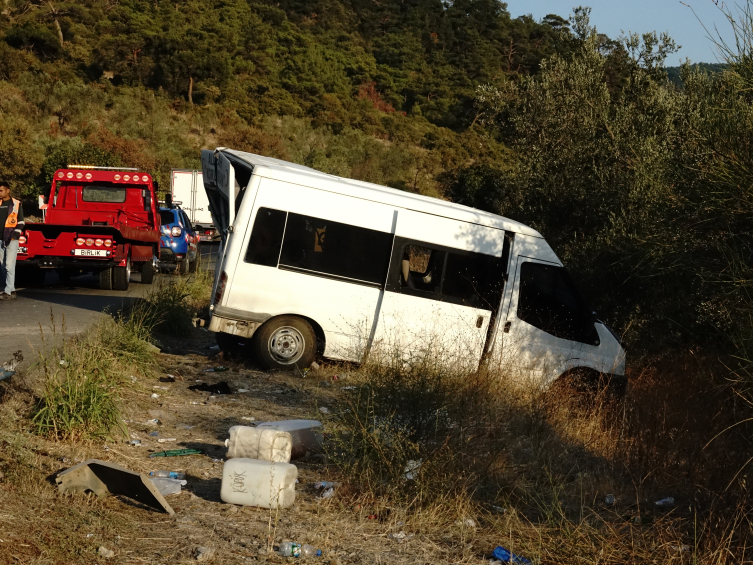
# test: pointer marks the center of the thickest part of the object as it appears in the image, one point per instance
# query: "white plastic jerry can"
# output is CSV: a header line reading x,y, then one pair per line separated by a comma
x,y
266,484
306,434
267,444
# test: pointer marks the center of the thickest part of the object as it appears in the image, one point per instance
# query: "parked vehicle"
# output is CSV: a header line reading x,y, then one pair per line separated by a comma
x,y
97,219
312,262
187,187
179,241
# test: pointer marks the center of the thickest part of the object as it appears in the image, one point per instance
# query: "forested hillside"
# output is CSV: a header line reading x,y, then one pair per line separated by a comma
x,y
642,188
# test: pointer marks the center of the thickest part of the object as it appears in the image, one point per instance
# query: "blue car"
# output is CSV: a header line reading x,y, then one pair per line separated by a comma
x,y
179,242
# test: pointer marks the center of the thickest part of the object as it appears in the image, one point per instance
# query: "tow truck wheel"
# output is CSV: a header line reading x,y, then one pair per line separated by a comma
x,y
147,273
105,279
121,276
183,265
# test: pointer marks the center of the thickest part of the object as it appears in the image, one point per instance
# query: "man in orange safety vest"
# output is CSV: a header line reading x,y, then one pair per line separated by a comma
x,y
12,217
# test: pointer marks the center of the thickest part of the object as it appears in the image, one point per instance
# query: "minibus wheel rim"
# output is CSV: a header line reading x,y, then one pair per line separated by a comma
x,y
286,345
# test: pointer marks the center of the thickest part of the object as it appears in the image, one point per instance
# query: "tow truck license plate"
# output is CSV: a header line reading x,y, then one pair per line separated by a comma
x,y
90,252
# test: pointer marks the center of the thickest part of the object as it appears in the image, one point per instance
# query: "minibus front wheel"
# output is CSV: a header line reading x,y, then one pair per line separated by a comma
x,y
285,342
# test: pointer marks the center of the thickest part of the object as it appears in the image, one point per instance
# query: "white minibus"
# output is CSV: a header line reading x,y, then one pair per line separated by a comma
x,y
313,264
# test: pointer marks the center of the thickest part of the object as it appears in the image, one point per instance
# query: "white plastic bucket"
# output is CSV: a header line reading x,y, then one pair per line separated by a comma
x,y
267,444
250,482
306,434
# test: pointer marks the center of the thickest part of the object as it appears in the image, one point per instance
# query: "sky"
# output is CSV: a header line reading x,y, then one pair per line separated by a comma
x,y
614,17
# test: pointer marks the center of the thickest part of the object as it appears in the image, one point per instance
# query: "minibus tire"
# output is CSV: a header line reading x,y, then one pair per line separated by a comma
x,y
272,356
105,279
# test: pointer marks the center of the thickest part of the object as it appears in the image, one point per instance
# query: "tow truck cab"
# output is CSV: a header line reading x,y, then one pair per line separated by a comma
x,y
98,220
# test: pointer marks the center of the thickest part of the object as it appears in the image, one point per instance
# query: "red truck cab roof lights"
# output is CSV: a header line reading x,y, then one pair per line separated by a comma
x,y
122,175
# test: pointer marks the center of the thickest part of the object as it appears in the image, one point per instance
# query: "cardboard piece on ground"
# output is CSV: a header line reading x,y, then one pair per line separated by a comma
x,y
104,478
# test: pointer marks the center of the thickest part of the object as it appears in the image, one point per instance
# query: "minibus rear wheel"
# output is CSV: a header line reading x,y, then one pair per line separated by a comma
x,y
285,342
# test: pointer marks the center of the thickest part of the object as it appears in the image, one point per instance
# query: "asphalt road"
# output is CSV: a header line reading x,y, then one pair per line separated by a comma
x,y
25,323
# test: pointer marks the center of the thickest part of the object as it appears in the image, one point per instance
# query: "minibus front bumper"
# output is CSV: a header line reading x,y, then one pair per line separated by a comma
x,y
236,322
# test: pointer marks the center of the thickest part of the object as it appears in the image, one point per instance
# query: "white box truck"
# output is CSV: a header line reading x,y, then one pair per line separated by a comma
x,y
313,263
187,188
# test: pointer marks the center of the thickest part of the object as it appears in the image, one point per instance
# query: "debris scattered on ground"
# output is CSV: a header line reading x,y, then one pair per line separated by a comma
x,y
400,536
136,442
166,439
213,348
609,499
314,366
104,478
242,390
63,363
9,367
324,410
203,553
506,556
106,553
467,522
248,418
155,395
168,379
325,485
176,453
681,548
13,362
153,422
167,486
411,469
329,493
218,388
218,369
664,502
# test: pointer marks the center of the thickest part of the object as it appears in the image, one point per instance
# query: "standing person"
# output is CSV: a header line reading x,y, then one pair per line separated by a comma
x,y
12,217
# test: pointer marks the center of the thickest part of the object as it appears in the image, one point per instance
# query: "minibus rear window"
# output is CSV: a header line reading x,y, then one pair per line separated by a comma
x,y
266,237
337,249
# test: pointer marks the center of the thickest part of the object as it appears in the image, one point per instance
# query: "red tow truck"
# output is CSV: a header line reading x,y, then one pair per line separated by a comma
x,y
101,220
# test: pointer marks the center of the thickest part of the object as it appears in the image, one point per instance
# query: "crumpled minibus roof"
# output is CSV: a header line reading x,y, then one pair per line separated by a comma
x,y
298,174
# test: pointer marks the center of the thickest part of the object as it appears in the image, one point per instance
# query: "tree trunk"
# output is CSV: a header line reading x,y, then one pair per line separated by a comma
x,y
190,91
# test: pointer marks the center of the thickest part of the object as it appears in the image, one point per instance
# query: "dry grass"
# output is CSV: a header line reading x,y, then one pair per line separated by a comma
x,y
530,470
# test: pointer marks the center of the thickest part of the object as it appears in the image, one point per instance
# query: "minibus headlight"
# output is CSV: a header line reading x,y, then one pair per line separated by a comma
x,y
175,232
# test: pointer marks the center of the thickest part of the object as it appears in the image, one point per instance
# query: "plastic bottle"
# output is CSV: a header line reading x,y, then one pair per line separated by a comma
x,y
167,475
290,549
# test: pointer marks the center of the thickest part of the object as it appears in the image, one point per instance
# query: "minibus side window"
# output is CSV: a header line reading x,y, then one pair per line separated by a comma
x,y
474,278
422,268
266,237
471,279
550,301
333,248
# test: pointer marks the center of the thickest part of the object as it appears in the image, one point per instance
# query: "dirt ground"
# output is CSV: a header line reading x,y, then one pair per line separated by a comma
x,y
40,525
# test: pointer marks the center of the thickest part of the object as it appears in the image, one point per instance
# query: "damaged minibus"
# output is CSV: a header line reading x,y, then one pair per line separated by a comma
x,y
314,264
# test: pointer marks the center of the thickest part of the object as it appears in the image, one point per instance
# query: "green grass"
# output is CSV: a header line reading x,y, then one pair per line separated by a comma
x,y
81,379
